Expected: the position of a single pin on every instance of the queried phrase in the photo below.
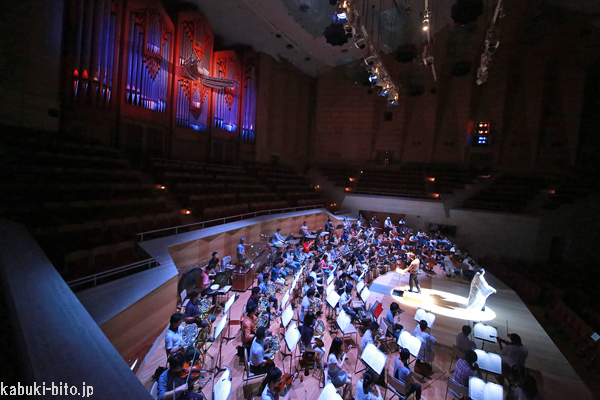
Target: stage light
(349, 30)
(360, 43)
(186, 212)
(341, 14)
(425, 24)
(370, 60)
(373, 78)
(347, 189)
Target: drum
(215, 287)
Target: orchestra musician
(392, 318)
(426, 341)
(241, 252)
(249, 326)
(387, 226)
(173, 339)
(329, 226)
(304, 229)
(192, 312)
(370, 334)
(205, 282)
(270, 385)
(263, 287)
(305, 305)
(260, 362)
(335, 367)
(308, 340)
(346, 302)
(413, 270)
(215, 262)
(171, 384)
(310, 283)
(364, 386)
(277, 238)
(403, 374)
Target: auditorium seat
(103, 258)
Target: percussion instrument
(292, 241)
(215, 287)
(281, 245)
(311, 236)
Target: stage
(555, 376)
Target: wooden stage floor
(555, 376)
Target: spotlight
(349, 30)
(360, 43)
(341, 13)
(370, 60)
(426, 24)
(373, 78)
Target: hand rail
(149, 263)
(231, 218)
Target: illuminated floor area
(446, 299)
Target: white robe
(480, 291)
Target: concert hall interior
(300, 199)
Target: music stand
(359, 286)
(421, 314)
(409, 342)
(486, 333)
(329, 393)
(345, 326)
(374, 360)
(330, 277)
(330, 289)
(222, 387)
(226, 314)
(364, 295)
(286, 298)
(218, 331)
(291, 338)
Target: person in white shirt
(426, 341)
(305, 305)
(346, 303)
(462, 340)
(364, 386)
(259, 361)
(310, 283)
(514, 354)
(369, 335)
(404, 375)
(269, 387)
(304, 229)
(277, 238)
(173, 340)
(335, 367)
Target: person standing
(240, 251)
(413, 270)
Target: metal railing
(104, 276)
(393, 194)
(219, 221)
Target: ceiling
(292, 30)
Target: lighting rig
(490, 45)
(425, 26)
(378, 74)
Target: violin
(192, 371)
(286, 380)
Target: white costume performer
(480, 290)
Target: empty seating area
(82, 202)
(289, 186)
(508, 193)
(416, 181)
(568, 189)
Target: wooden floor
(555, 376)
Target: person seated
(260, 362)
(305, 305)
(173, 340)
(335, 367)
(514, 355)
(249, 326)
(364, 387)
(316, 279)
(369, 335)
(465, 368)
(304, 229)
(205, 282)
(289, 260)
(215, 262)
(341, 283)
(277, 274)
(277, 238)
(403, 374)
(463, 342)
(391, 316)
(528, 389)
(170, 383)
(346, 303)
(329, 225)
(299, 255)
(308, 340)
(270, 385)
(426, 341)
(193, 314)
(310, 283)
(263, 288)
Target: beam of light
(447, 304)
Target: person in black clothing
(215, 262)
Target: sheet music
(229, 303)
(480, 390)
(286, 298)
(329, 393)
(359, 286)
(343, 321)
(489, 361)
(421, 314)
(220, 326)
(364, 295)
(333, 298)
(222, 388)
(410, 342)
(330, 288)
(374, 358)
(183, 294)
(287, 316)
(330, 278)
(485, 332)
(292, 335)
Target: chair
(456, 354)
(247, 376)
(386, 340)
(397, 387)
(103, 258)
(456, 389)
